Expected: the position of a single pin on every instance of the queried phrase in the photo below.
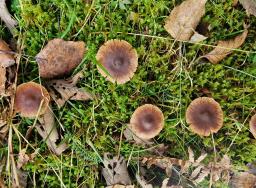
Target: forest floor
(169, 75)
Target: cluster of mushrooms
(118, 61)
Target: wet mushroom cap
(204, 116)
(147, 121)
(28, 99)
(253, 125)
(119, 59)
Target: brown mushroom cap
(119, 59)
(28, 99)
(59, 57)
(147, 121)
(205, 116)
(253, 125)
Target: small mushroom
(59, 57)
(119, 59)
(253, 125)
(205, 116)
(31, 99)
(147, 121)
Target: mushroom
(253, 125)
(31, 99)
(147, 121)
(59, 57)
(205, 116)
(119, 59)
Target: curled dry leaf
(48, 131)
(6, 16)
(115, 170)
(243, 180)
(165, 184)
(6, 55)
(24, 158)
(197, 38)
(184, 18)
(130, 136)
(249, 6)
(59, 57)
(64, 90)
(225, 48)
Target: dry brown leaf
(48, 131)
(235, 2)
(225, 48)
(249, 6)
(6, 55)
(24, 158)
(197, 38)
(6, 16)
(243, 180)
(115, 170)
(59, 57)
(67, 90)
(2, 183)
(184, 18)
(3, 124)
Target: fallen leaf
(235, 2)
(24, 158)
(59, 57)
(225, 48)
(6, 16)
(6, 55)
(48, 131)
(3, 124)
(249, 6)
(143, 182)
(197, 38)
(184, 18)
(2, 183)
(64, 90)
(165, 184)
(243, 180)
(115, 170)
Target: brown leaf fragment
(115, 170)
(24, 158)
(196, 37)
(243, 180)
(59, 57)
(225, 48)
(165, 184)
(48, 131)
(3, 124)
(184, 18)
(235, 2)
(6, 16)
(6, 55)
(67, 90)
(249, 6)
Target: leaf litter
(63, 90)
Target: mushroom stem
(6, 16)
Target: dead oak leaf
(184, 18)
(48, 131)
(6, 55)
(64, 90)
(249, 6)
(225, 48)
(115, 170)
(59, 57)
